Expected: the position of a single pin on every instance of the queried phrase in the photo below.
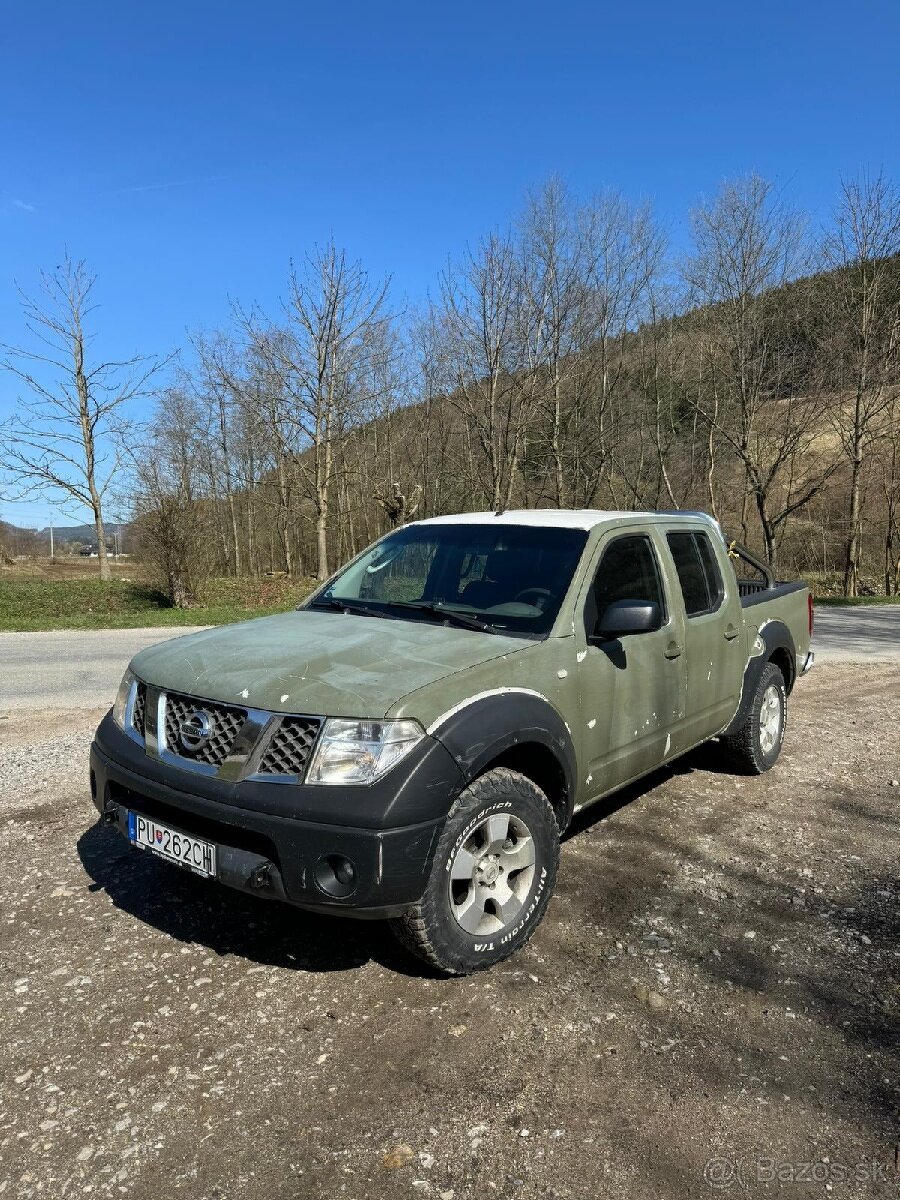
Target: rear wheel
(755, 746)
(491, 878)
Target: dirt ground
(711, 1006)
(68, 567)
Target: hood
(330, 664)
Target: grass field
(29, 604)
(826, 587)
(72, 599)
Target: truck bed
(785, 602)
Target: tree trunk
(283, 505)
(322, 540)
(851, 561)
(768, 530)
(105, 572)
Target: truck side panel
(787, 603)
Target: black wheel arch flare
(778, 647)
(516, 728)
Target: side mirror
(628, 616)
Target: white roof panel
(553, 518)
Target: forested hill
(570, 361)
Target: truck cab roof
(567, 518)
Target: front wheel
(491, 877)
(757, 744)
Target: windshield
(500, 578)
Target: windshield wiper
(346, 606)
(446, 614)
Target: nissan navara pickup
(412, 742)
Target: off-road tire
(430, 929)
(745, 745)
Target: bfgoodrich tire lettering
(755, 746)
(500, 839)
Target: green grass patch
(31, 605)
(854, 601)
(28, 605)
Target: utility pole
(51, 538)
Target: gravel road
(712, 998)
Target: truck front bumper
(265, 844)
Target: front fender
(490, 724)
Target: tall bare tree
(623, 249)
(863, 332)
(555, 277)
(484, 317)
(173, 514)
(218, 381)
(747, 247)
(320, 356)
(64, 437)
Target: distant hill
(25, 539)
(80, 533)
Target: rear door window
(698, 572)
(714, 582)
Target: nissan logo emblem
(194, 731)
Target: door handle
(731, 632)
(673, 650)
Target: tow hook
(260, 876)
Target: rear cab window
(698, 571)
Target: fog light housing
(335, 875)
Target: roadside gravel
(716, 983)
(43, 752)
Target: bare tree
(319, 357)
(891, 486)
(172, 515)
(863, 332)
(218, 382)
(748, 247)
(64, 438)
(624, 249)
(484, 318)
(555, 277)
(271, 407)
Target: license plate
(172, 845)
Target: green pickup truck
(414, 740)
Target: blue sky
(188, 150)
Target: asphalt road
(867, 635)
(72, 668)
(82, 669)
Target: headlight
(351, 751)
(118, 710)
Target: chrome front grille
(213, 738)
(139, 711)
(225, 724)
(290, 746)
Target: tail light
(809, 600)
